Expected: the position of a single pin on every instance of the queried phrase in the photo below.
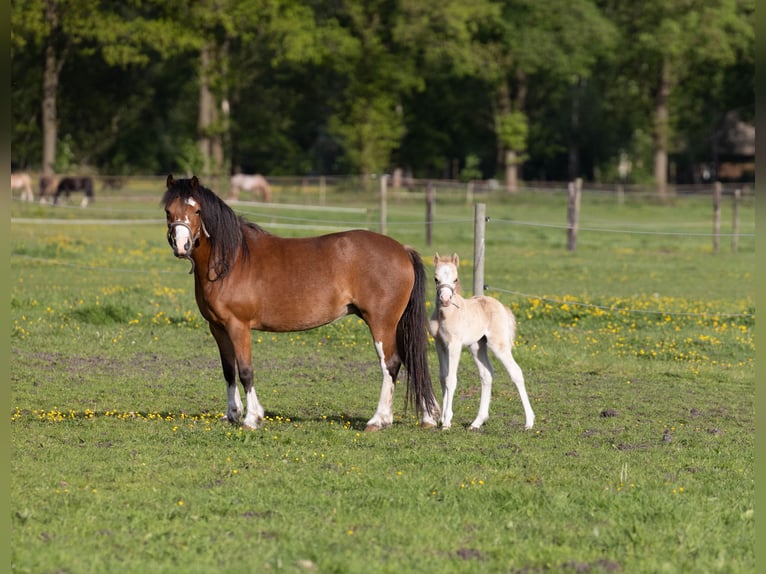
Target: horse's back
(300, 283)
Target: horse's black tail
(412, 340)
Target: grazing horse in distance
(23, 182)
(255, 183)
(69, 184)
(48, 185)
(479, 323)
(246, 278)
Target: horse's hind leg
(389, 365)
(481, 358)
(503, 352)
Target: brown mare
(246, 278)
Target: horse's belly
(297, 317)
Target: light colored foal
(478, 323)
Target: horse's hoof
(427, 426)
(248, 427)
(372, 428)
(474, 429)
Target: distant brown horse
(69, 184)
(246, 278)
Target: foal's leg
(453, 350)
(480, 357)
(443, 353)
(504, 353)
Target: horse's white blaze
(182, 237)
(384, 415)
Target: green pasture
(638, 352)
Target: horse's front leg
(449, 359)
(480, 357)
(234, 409)
(240, 336)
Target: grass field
(638, 351)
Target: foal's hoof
(372, 428)
(427, 425)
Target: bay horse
(478, 323)
(23, 182)
(69, 184)
(255, 182)
(246, 278)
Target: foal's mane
(224, 228)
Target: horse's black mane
(225, 228)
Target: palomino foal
(478, 323)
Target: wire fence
(253, 209)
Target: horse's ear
(194, 182)
(170, 181)
(456, 260)
(436, 258)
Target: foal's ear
(436, 258)
(455, 259)
(170, 181)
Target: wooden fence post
(573, 213)
(479, 228)
(322, 190)
(716, 216)
(383, 203)
(429, 211)
(735, 221)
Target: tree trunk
(50, 119)
(574, 136)
(51, 73)
(206, 110)
(661, 131)
(511, 172)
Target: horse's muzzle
(184, 249)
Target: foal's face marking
(445, 277)
(181, 236)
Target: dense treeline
(506, 89)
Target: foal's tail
(412, 341)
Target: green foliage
(471, 170)
(328, 86)
(512, 130)
(190, 158)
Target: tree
(562, 39)
(663, 39)
(116, 31)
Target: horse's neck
(456, 304)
